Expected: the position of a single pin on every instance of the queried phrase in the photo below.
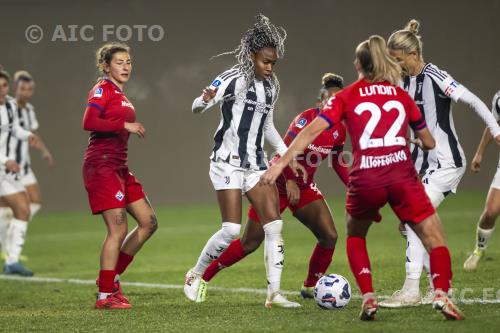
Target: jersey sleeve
(448, 85)
(33, 120)
(495, 106)
(333, 112)
(221, 83)
(93, 119)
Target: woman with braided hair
(247, 93)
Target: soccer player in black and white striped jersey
(24, 86)
(247, 93)
(486, 224)
(442, 168)
(12, 191)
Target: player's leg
(316, 216)
(35, 198)
(431, 232)
(5, 218)
(116, 224)
(228, 183)
(17, 200)
(265, 201)
(253, 235)
(485, 228)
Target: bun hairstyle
(105, 53)
(375, 62)
(4, 74)
(332, 80)
(407, 40)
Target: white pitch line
(37, 279)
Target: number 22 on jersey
(390, 139)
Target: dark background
(460, 37)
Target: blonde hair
(407, 40)
(375, 62)
(22, 76)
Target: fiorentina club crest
(119, 195)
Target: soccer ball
(332, 292)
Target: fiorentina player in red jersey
(112, 188)
(303, 198)
(377, 114)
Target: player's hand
(269, 177)
(292, 192)
(208, 94)
(476, 163)
(136, 128)
(299, 170)
(418, 143)
(47, 156)
(12, 166)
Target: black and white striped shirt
(10, 132)
(246, 120)
(28, 121)
(433, 90)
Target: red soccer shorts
(110, 187)
(408, 200)
(307, 195)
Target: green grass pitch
(67, 246)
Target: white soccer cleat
(191, 285)
(471, 263)
(279, 301)
(429, 296)
(401, 299)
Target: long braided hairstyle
(262, 34)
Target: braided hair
(263, 34)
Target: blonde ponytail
(375, 62)
(408, 39)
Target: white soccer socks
(216, 245)
(5, 218)
(415, 256)
(482, 237)
(34, 208)
(274, 255)
(16, 235)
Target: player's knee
(328, 239)
(230, 231)
(152, 225)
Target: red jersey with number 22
(377, 116)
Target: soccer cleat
(279, 301)
(444, 304)
(17, 269)
(471, 263)
(117, 291)
(429, 296)
(191, 284)
(307, 292)
(201, 293)
(111, 303)
(402, 298)
(368, 309)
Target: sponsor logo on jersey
(127, 104)
(251, 89)
(369, 162)
(301, 123)
(216, 83)
(365, 270)
(98, 93)
(319, 149)
(269, 92)
(451, 88)
(119, 195)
